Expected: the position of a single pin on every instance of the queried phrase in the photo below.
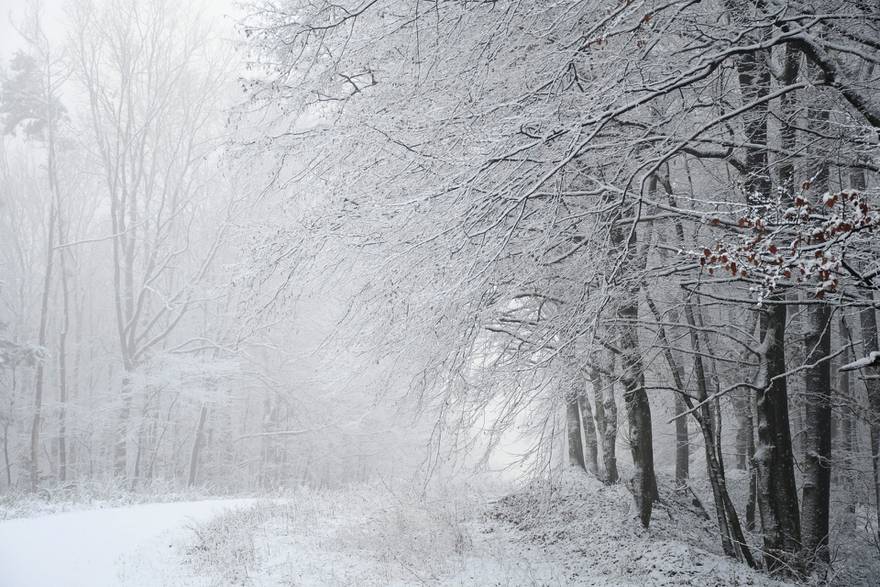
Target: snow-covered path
(96, 548)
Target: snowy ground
(575, 532)
(96, 548)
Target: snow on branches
(800, 241)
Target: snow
(575, 531)
(365, 536)
(594, 531)
(108, 547)
(870, 361)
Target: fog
(456, 278)
(155, 342)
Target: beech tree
(573, 156)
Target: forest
(608, 264)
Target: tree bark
(777, 492)
(846, 425)
(776, 489)
(870, 375)
(744, 446)
(39, 378)
(573, 424)
(589, 434)
(54, 198)
(868, 323)
(120, 448)
(682, 439)
(601, 424)
(7, 466)
(732, 539)
(196, 446)
(606, 423)
(62, 348)
(632, 376)
(816, 496)
(682, 444)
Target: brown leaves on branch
(797, 240)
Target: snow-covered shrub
(364, 535)
(224, 547)
(420, 534)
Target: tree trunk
(743, 411)
(870, 375)
(573, 424)
(868, 323)
(776, 489)
(816, 497)
(196, 446)
(6, 463)
(732, 539)
(743, 405)
(682, 444)
(41, 341)
(846, 425)
(632, 377)
(609, 438)
(601, 424)
(777, 492)
(589, 431)
(638, 413)
(49, 97)
(682, 434)
(682, 439)
(62, 350)
(120, 449)
(752, 506)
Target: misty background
(594, 277)
(164, 327)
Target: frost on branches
(818, 242)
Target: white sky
(53, 19)
(11, 11)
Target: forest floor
(576, 531)
(130, 545)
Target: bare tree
(151, 85)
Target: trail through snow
(96, 548)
